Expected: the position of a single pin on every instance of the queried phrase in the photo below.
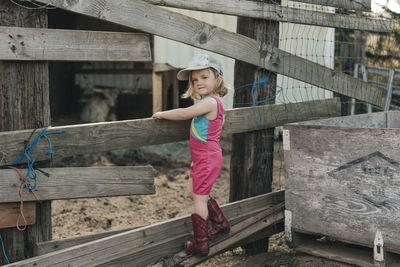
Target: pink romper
(206, 152)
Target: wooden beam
(171, 25)
(157, 89)
(69, 183)
(168, 249)
(235, 212)
(70, 45)
(9, 213)
(24, 103)
(239, 120)
(238, 232)
(262, 10)
(363, 5)
(53, 245)
(142, 240)
(106, 136)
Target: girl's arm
(202, 107)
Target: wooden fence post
(24, 101)
(252, 153)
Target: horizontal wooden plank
(342, 252)
(239, 232)
(363, 5)
(171, 25)
(114, 247)
(9, 213)
(235, 212)
(240, 120)
(169, 247)
(69, 183)
(70, 45)
(262, 10)
(106, 136)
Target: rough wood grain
(371, 120)
(241, 120)
(70, 183)
(240, 231)
(9, 213)
(262, 10)
(24, 103)
(344, 182)
(157, 89)
(106, 136)
(235, 212)
(363, 5)
(114, 247)
(171, 25)
(69, 45)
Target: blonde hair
(221, 87)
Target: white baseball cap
(199, 62)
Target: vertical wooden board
(157, 92)
(175, 86)
(9, 213)
(344, 183)
(393, 119)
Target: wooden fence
(148, 244)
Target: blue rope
(263, 80)
(4, 250)
(31, 174)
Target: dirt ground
(85, 216)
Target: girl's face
(203, 82)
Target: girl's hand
(157, 115)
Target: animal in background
(101, 105)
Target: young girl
(207, 85)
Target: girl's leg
(189, 189)
(200, 205)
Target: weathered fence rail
(106, 136)
(171, 25)
(363, 5)
(85, 182)
(147, 244)
(18, 43)
(262, 10)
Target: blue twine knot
(26, 152)
(263, 80)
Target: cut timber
(106, 136)
(70, 45)
(363, 5)
(53, 245)
(234, 212)
(241, 120)
(169, 247)
(81, 182)
(148, 243)
(9, 213)
(238, 232)
(261, 10)
(171, 25)
(342, 252)
(157, 89)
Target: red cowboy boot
(219, 224)
(200, 232)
